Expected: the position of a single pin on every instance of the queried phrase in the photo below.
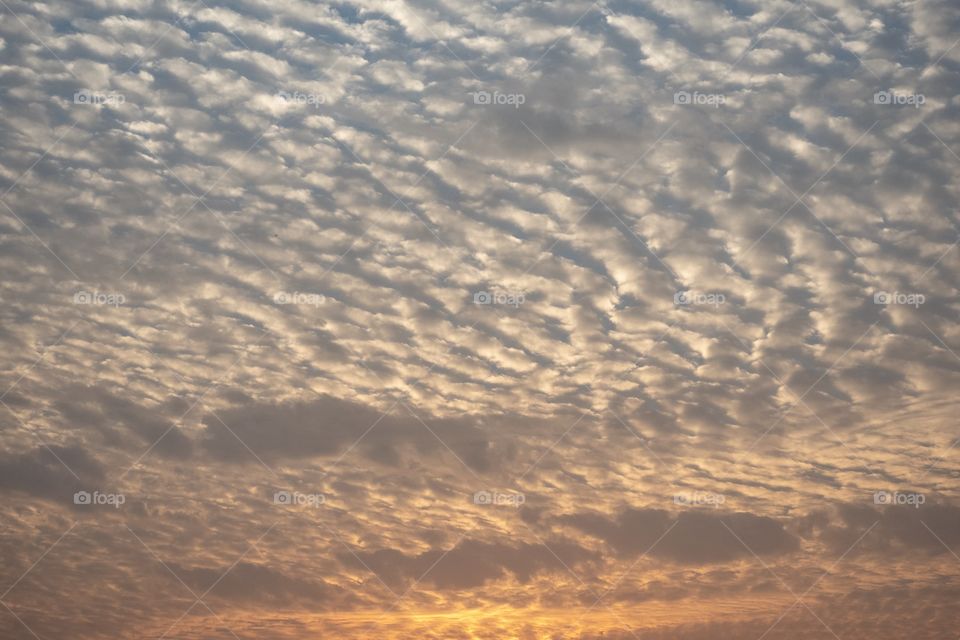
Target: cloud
(690, 537)
(897, 530)
(54, 472)
(328, 427)
(471, 563)
(256, 585)
(683, 214)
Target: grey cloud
(899, 530)
(116, 418)
(329, 426)
(257, 585)
(48, 472)
(696, 537)
(471, 563)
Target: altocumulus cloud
(595, 254)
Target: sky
(466, 319)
